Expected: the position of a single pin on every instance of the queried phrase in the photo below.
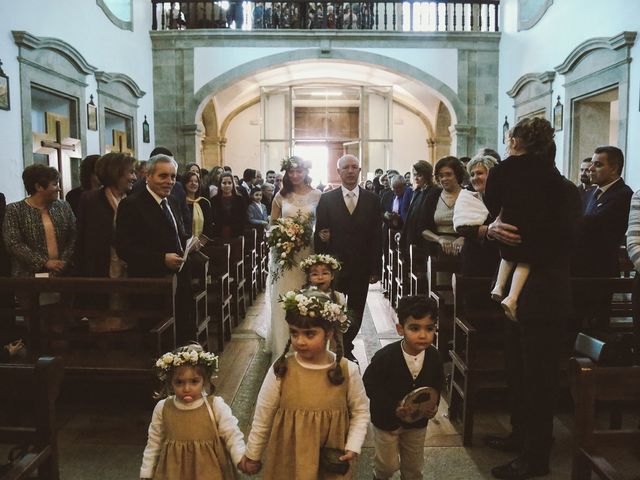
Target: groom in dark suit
(349, 226)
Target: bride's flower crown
(192, 357)
(313, 303)
(320, 258)
(294, 162)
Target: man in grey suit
(349, 226)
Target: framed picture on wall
(145, 131)
(557, 115)
(92, 115)
(5, 101)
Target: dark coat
(95, 235)
(601, 231)
(143, 235)
(355, 238)
(420, 218)
(387, 380)
(235, 219)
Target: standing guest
(88, 181)
(491, 152)
(465, 181)
(229, 209)
(199, 206)
(439, 205)
(277, 182)
(258, 180)
(633, 248)
(267, 195)
(376, 179)
(95, 254)
(248, 180)
(368, 186)
(415, 222)
(270, 177)
(227, 168)
(40, 231)
(479, 256)
(214, 178)
(543, 306)
(347, 219)
(384, 185)
(396, 370)
(586, 187)
(150, 234)
(193, 167)
(141, 170)
(257, 212)
(407, 178)
(600, 231)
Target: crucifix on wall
(120, 143)
(57, 144)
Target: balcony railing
(396, 16)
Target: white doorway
(318, 155)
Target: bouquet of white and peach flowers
(286, 237)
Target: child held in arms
(403, 382)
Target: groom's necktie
(351, 202)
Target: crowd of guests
(131, 218)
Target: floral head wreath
(319, 258)
(191, 357)
(313, 303)
(293, 162)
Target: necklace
(450, 199)
(32, 205)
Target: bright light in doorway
(318, 155)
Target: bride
(296, 196)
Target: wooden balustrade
(395, 16)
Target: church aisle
(103, 435)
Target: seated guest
(416, 218)
(256, 211)
(600, 231)
(479, 256)
(586, 187)
(199, 207)
(40, 231)
(439, 205)
(95, 254)
(88, 181)
(229, 209)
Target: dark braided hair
(335, 374)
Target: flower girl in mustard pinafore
(192, 435)
(311, 400)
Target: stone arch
(444, 92)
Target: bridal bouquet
(286, 237)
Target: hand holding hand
(446, 245)
(348, 456)
(56, 266)
(173, 261)
(457, 245)
(248, 466)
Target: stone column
(462, 139)
(191, 151)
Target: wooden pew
(237, 279)
(218, 291)
(443, 293)
(590, 384)
(197, 312)
(27, 416)
(150, 301)
(477, 356)
(263, 258)
(390, 266)
(251, 262)
(418, 282)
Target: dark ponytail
(280, 365)
(335, 374)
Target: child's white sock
(510, 303)
(504, 270)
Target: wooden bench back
(27, 413)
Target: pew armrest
(27, 464)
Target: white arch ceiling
(330, 71)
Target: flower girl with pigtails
(312, 411)
(192, 433)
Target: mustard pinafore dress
(312, 413)
(192, 448)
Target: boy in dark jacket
(396, 370)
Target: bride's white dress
(277, 330)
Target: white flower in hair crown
(319, 258)
(193, 357)
(293, 162)
(313, 303)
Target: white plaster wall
(409, 139)
(243, 141)
(566, 25)
(82, 24)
